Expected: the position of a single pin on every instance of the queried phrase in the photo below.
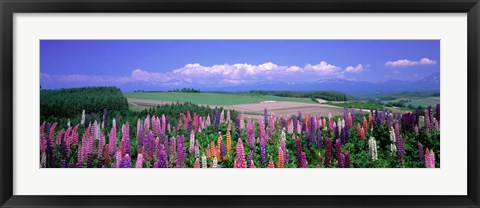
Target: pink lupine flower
(252, 164)
(270, 163)
(118, 158)
(112, 139)
(197, 163)
(429, 159)
(139, 163)
(240, 159)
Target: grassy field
(419, 101)
(425, 102)
(212, 98)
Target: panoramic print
(239, 104)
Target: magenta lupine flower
(427, 119)
(303, 160)
(298, 153)
(415, 129)
(429, 159)
(146, 123)
(421, 154)
(118, 158)
(139, 162)
(112, 139)
(126, 162)
(59, 136)
(240, 158)
(338, 149)
(328, 151)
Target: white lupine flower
(215, 162)
(372, 147)
(114, 123)
(393, 149)
(82, 122)
(283, 136)
(68, 122)
(343, 123)
(392, 135)
(204, 161)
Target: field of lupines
(358, 139)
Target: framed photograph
(231, 103)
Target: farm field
(207, 98)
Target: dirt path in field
(277, 108)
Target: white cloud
(220, 75)
(356, 69)
(407, 63)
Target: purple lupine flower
(341, 160)
(162, 158)
(319, 139)
(126, 162)
(149, 144)
(303, 160)
(263, 152)
(265, 115)
(427, 119)
(285, 154)
(237, 127)
(189, 127)
(294, 123)
(345, 113)
(342, 136)
(180, 151)
(336, 132)
(421, 154)
(300, 117)
(223, 149)
(437, 112)
(217, 120)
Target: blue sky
(198, 63)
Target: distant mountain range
(431, 82)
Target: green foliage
(71, 102)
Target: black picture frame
(9, 7)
